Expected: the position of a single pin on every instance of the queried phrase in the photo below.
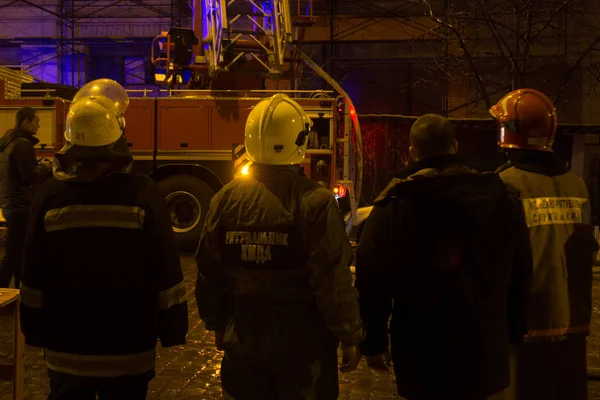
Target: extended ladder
(233, 29)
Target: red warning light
(339, 191)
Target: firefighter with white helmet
(276, 132)
(102, 279)
(274, 281)
(551, 363)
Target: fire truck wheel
(187, 198)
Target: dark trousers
(61, 390)
(548, 371)
(16, 230)
(292, 380)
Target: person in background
(551, 363)
(19, 172)
(446, 251)
(102, 279)
(274, 279)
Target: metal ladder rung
(260, 15)
(244, 32)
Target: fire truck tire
(188, 199)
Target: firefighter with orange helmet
(551, 362)
(274, 279)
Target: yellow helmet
(277, 132)
(96, 116)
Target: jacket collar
(438, 162)
(17, 133)
(540, 162)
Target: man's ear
(412, 153)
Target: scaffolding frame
(359, 15)
(72, 12)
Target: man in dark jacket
(274, 279)
(19, 171)
(449, 247)
(102, 278)
(551, 363)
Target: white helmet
(95, 117)
(107, 92)
(277, 132)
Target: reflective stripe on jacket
(102, 278)
(101, 366)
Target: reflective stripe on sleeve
(172, 296)
(88, 216)
(101, 366)
(539, 333)
(31, 297)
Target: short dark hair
(431, 135)
(25, 114)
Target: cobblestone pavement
(191, 371)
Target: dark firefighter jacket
(19, 169)
(102, 278)
(449, 247)
(273, 265)
(557, 210)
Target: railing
(314, 93)
(47, 90)
(13, 80)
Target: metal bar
(353, 202)
(251, 91)
(355, 123)
(98, 10)
(258, 25)
(347, 133)
(232, 42)
(41, 8)
(260, 44)
(152, 8)
(260, 61)
(255, 6)
(9, 4)
(234, 60)
(367, 23)
(73, 44)
(87, 6)
(400, 19)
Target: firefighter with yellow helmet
(274, 281)
(102, 279)
(551, 363)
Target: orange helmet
(527, 120)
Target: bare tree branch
(527, 37)
(550, 18)
(464, 48)
(501, 43)
(575, 67)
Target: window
(135, 70)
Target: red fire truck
(189, 136)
